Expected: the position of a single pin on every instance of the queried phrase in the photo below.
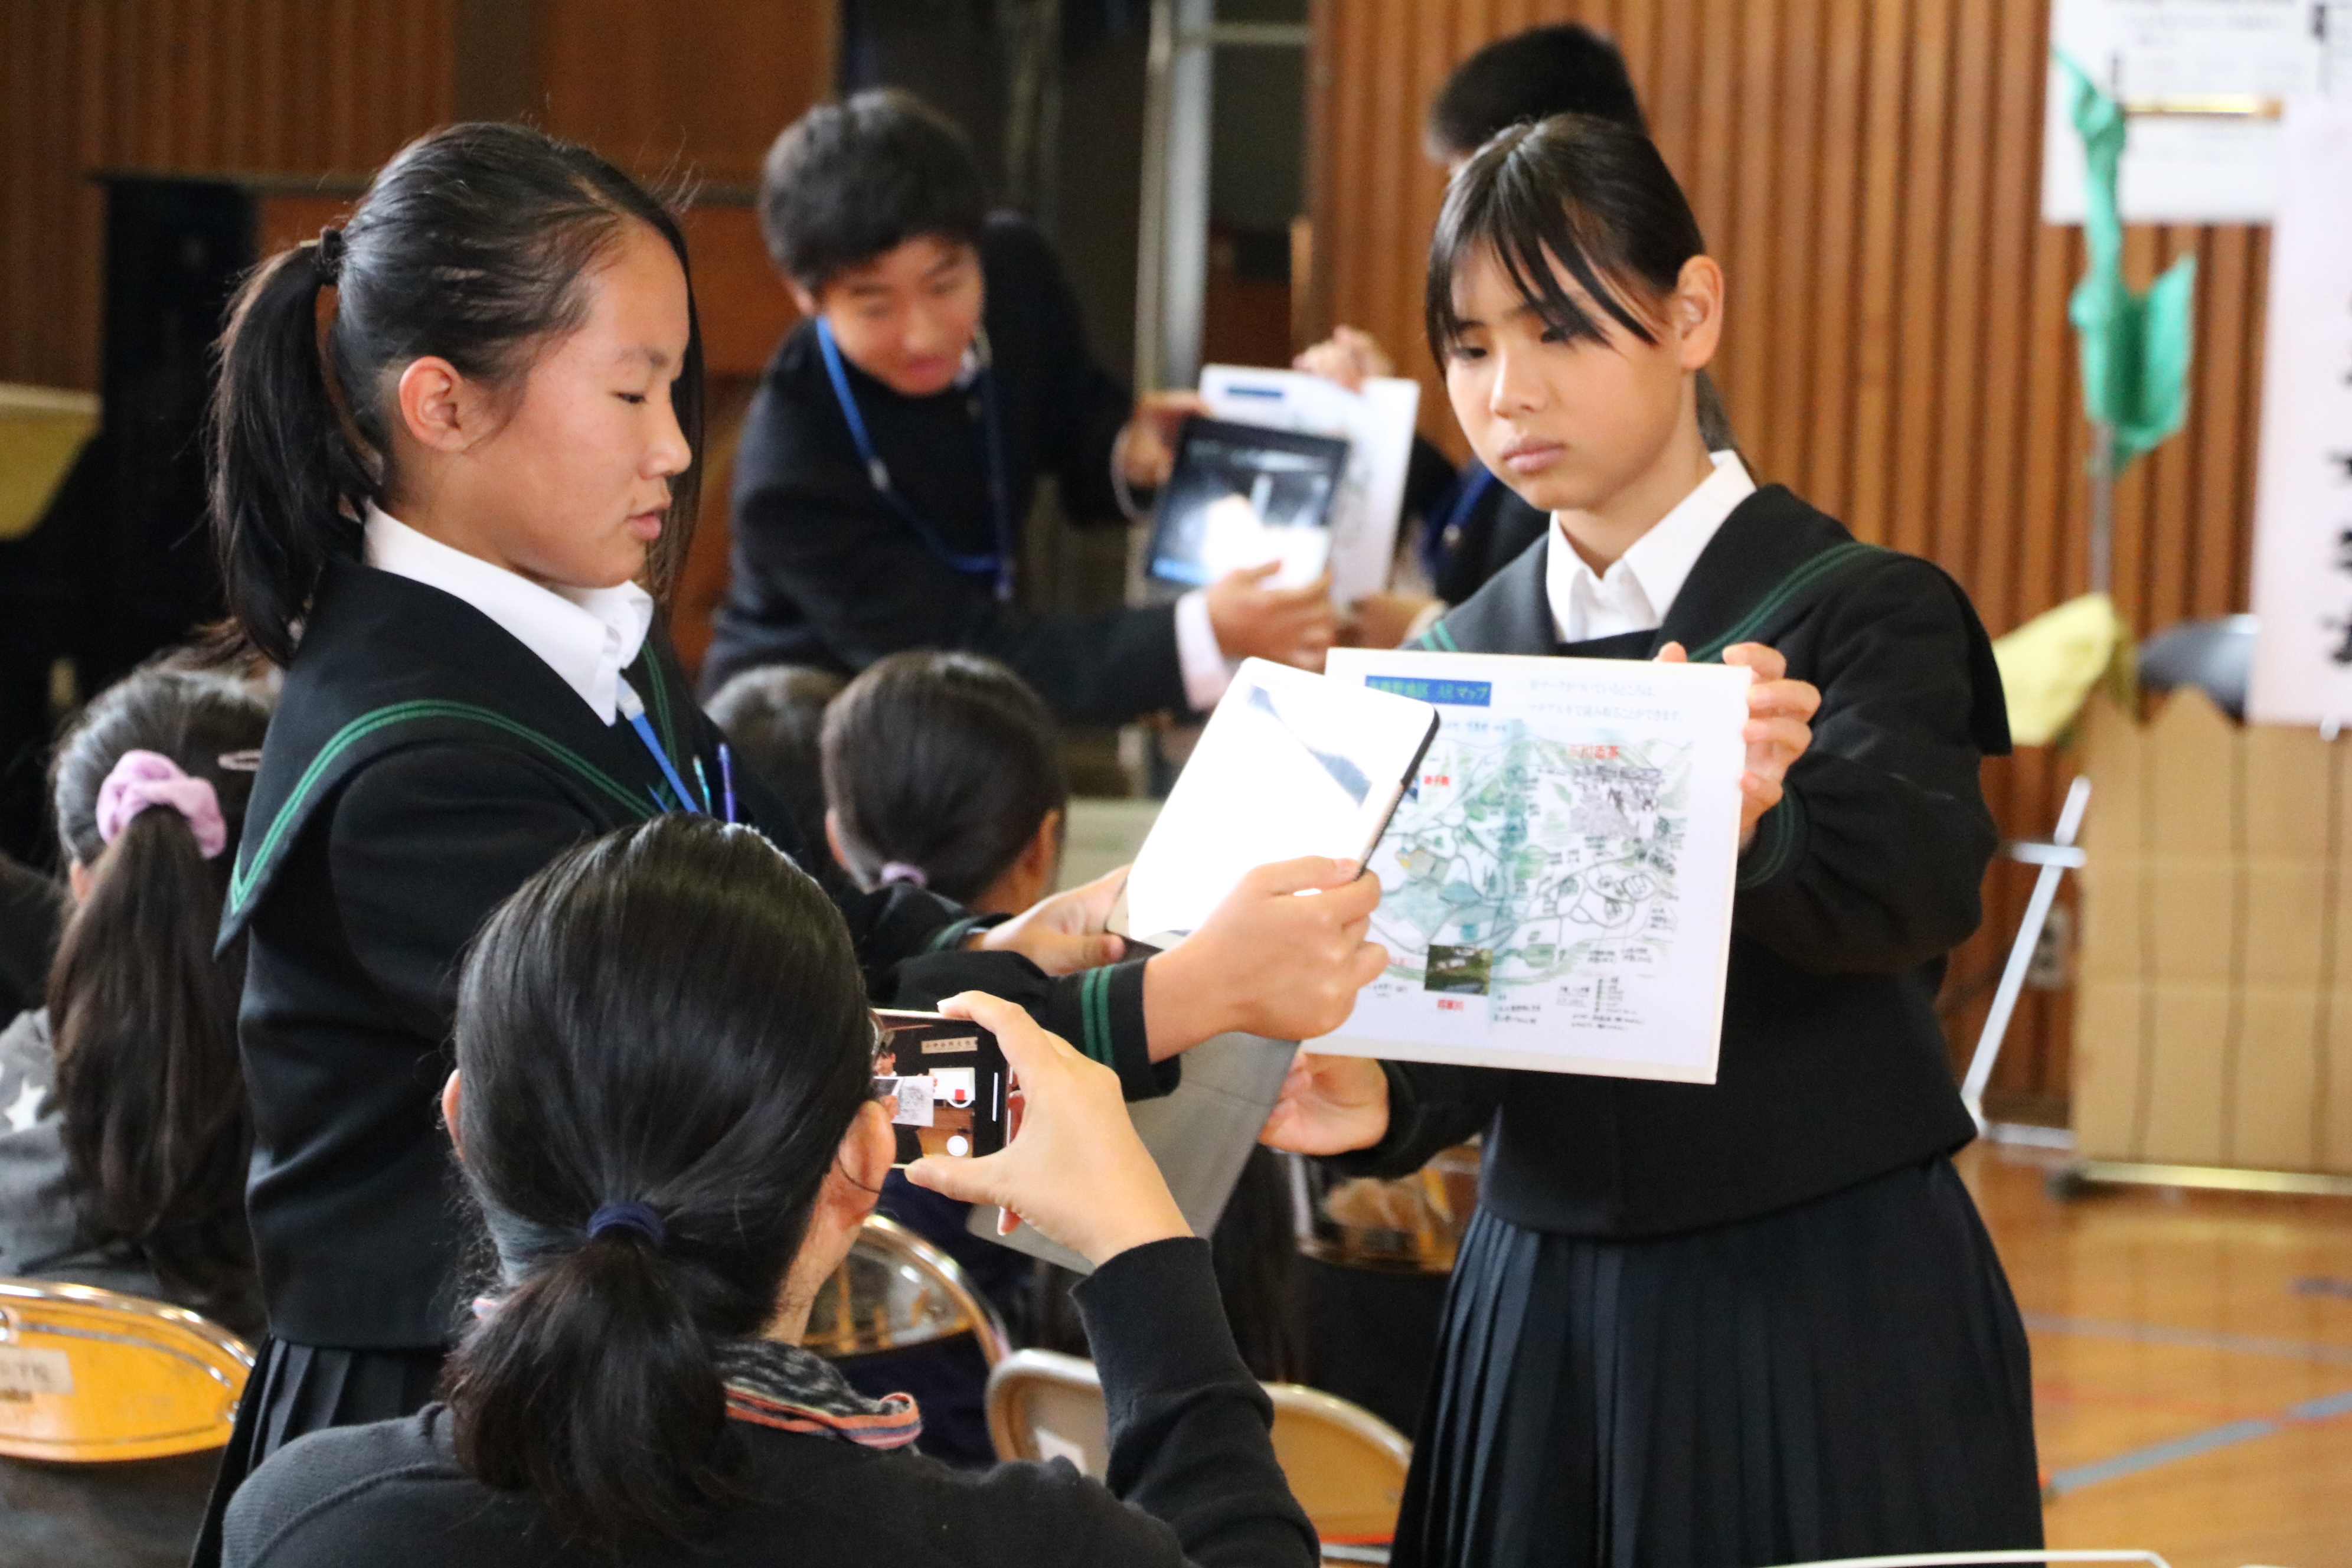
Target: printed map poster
(1556, 887)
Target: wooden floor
(2192, 1365)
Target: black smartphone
(946, 1084)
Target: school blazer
(420, 765)
(1833, 1067)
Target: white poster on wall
(2303, 484)
(2204, 82)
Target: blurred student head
(774, 718)
(872, 210)
(945, 770)
(150, 786)
(662, 1108)
(510, 362)
(1564, 69)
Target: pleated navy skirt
(299, 1389)
(1844, 1378)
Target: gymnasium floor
(2192, 1360)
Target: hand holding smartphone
(946, 1083)
(1071, 1164)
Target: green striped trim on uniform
(1807, 576)
(1094, 1015)
(952, 935)
(242, 880)
(1436, 639)
(1779, 836)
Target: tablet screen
(1241, 496)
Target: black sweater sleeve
(1189, 1424)
(1875, 857)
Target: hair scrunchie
(899, 871)
(143, 779)
(637, 1217)
(328, 257)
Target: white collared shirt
(1639, 588)
(587, 636)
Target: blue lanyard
(1000, 561)
(1468, 491)
(632, 708)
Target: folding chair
(896, 1291)
(1345, 1465)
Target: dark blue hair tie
(628, 1216)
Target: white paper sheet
(1290, 763)
(2302, 475)
(1377, 422)
(1556, 890)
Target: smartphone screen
(945, 1082)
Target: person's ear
(80, 877)
(833, 838)
(1042, 856)
(1695, 311)
(805, 302)
(860, 1165)
(449, 1095)
(440, 409)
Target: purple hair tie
(638, 1217)
(141, 779)
(899, 871)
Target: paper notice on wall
(2302, 476)
(2204, 82)
(1376, 424)
(1556, 889)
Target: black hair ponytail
(947, 762)
(470, 244)
(143, 1014)
(663, 1039)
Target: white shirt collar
(1640, 586)
(587, 636)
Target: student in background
(1760, 1320)
(773, 717)
(122, 1158)
(663, 1106)
(434, 512)
(891, 456)
(1473, 527)
(944, 770)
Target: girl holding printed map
(1757, 1320)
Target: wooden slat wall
(1868, 171)
(294, 86)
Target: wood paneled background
(1868, 171)
(326, 90)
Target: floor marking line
(2131, 1461)
(2189, 1339)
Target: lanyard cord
(1468, 491)
(632, 708)
(1000, 563)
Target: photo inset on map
(1460, 971)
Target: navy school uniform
(826, 572)
(421, 765)
(1760, 1320)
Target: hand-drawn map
(1556, 888)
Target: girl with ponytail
(122, 1160)
(662, 1108)
(456, 445)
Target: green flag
(2135, 345)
